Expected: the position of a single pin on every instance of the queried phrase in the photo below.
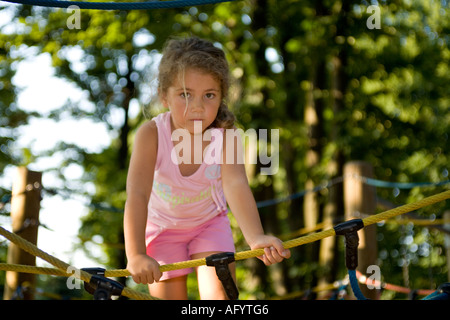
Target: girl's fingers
(271, 256)
(274, 255)
(147, 278)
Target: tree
(337, 87)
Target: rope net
(62, 266)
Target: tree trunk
(360, 199)
(314, 122)
(25, 205)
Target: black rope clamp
(349, 230)
(101, 287)
(445, 288)
(221, 261)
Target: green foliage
(378, 95)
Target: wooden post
(360, 200)
(447, 241)
(25, 205)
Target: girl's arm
(242, 204)
(143, 268)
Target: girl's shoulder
(148, 128)
(147, 133)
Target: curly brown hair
(200, 54)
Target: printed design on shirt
(164, 191)
(212, 172)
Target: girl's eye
(185, 95)
(210, 95)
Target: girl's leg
(209, 285)
(170, 289)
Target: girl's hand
(274, 251)
(144, 269)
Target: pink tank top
(177, 201)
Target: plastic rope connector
(221, 262)
(442, 293)
(349, 230)
(101, 287)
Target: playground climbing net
(102, 287)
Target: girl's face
(193, 99)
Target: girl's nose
(196, 105)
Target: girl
(176, 189)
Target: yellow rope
(406, 208)
(32, 249)
(303, 231)
(287, 244)
(32, 269)
(421, 222)
(62, 266)
(323, 234)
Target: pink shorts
(175, 245)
